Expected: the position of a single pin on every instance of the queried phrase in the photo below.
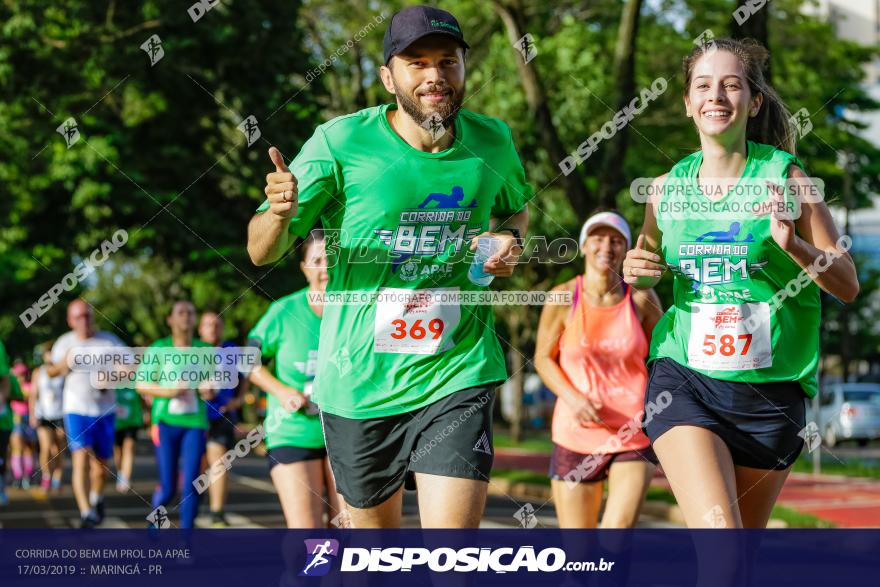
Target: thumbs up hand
(642, 268)
(281, 187)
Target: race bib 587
(720, 340)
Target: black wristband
(517, 236)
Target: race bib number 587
(721, 341)
(415, 321)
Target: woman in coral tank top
(591, 354)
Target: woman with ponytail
(750, 245)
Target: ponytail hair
(772, 125)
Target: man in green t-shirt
(405, 383)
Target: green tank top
(158, 364)
(743, 310)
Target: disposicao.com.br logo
(319, 553)
(462, 560)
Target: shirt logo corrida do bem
(436, 228)
(716, 258)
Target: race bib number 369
(730, 337)
(415, 321)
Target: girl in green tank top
(749, 244)
(288, 333)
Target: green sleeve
(4, 361)
(266, 333)
(316, 177)
(15, 388)
(515, 192)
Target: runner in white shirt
(89, 413)
(47, 410)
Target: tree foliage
(160, 154)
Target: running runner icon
(726, 236)
(453, 200)
(319, 553)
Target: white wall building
(859, 20)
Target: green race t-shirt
(400, 221)
(744, 310)
(129, 413)
(289, 332)
(187, 410)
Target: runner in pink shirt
(592, 354)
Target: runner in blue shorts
(89, 413)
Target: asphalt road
(252, 502)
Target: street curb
(656, 509)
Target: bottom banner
(215, 558)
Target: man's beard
(447, 111)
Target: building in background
(859, 21)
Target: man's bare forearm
(268, 238)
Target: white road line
(143, 512)
(490, 524)
(235, 521)
(54, 520)
(114, 522)
(255, 483)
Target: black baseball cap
(411, 24)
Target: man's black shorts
(372, 458)
(222, 431)
(287, 455)
(120, 434)
(759, 422)
(53, 424)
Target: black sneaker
(89, 521)
(218, 520)
(99, 511)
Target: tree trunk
(517, 364)
(754, 26)
(611, 178)
(516, 425)
(357, 80)
(575, 189)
